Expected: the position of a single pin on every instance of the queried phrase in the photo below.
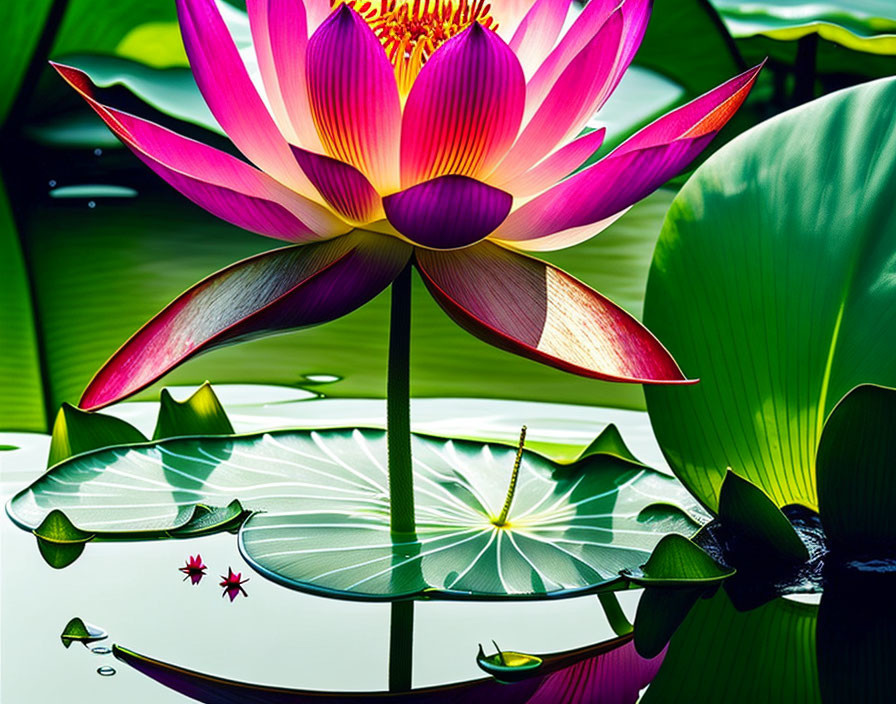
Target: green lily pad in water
(320, 511)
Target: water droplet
(105, 671)
(322, 378)
(101, 650)
(97, 152)
(52, 183)
(91, 204)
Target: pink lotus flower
(438, 132)
(194, 569)
(233, 585)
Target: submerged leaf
(320, 511)
(76, 431)
(200, 414)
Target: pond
(528, 353)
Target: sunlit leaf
(320, 506)
(76, 631)
(200, 414)
(76, 431)
(771, 283)
(59, 541)
(676, 562)
(855, 465)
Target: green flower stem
(401, 646)
(398, 413)
(613, 611)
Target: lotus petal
(280, 37)
(553, 168)
(579, 91)
(231, 96)
(576, 38)
(537, 33)
(354, 97)
(447, 212)
(345, 188)
(600, 191)
(705, 115)
(225, 186)
(530, 308)
(286, 288)
(464, 109)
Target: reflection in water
(839, 651)
(194, 570)
(233, 585)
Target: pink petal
(706, 114)
(535, 37)
(576, 38)
(464, 109)
(225, 186)
(354, 97)
(342, 186)
(280, 36)
(283, 289)
(559, 164)
(318, 11)
(600, 191)
(535, 310)
(509, 14)
(580, 90)
(447, 212)
(231, 96)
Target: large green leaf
(21, 388)
(20, 29)
(772, 283)
(856, 460)
(722, 655)
(321, 520)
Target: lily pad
(320, 520)
(77, 631)
(677, 562)
(772, 284)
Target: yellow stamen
(412, 30)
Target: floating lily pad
(676, 562)
(77, 631)
(320, 520)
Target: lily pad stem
(398, 413)
(511, 490)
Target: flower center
(411, 30)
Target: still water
(274, 636)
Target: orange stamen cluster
(411, 30)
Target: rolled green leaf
(201, 414)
